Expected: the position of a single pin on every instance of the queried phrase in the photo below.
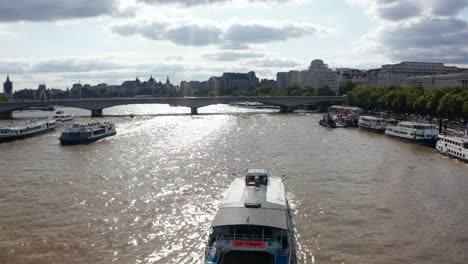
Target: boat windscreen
(246, 257)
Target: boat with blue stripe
(83, 134)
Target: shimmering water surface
(149, 194)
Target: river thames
(149, 194)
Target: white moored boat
(456, 147)
(26, 129)
(375, 124)
(253, 224)
(415, 132)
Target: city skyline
(113, 41)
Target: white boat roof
(25, 124)
(238, 193)
(371, 117)
(414, 123)
(263, 205)
(454, 138)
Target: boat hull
(76, 141)
(321, 122)
(425, 142)
(376, 130)
(17, 137)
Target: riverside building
(318, 74)
(439, 80)
(396, 74)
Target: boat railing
(248, 237)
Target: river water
(149, 194)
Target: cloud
(276, 63)
(398, 10)
(235, 34)
(448, 7)
(191, 3)
(258, 33)
(51, 10)
(12, 67)
(232, 55)
(418, 30)
(434, 39)
(174, 58)
(73, 65)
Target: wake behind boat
(26, 129)
(82, 134)
(253, 224)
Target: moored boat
(253, 224)
(26, 129)
(328, 121)
(82, 134)
(375, 124)
(414, 132)
(456, 147)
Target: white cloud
(232, 55)
(236, 34)
(191, 3)
(51, 10)
(428, 30)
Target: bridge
(96, 106)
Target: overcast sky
(60, 42)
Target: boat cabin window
(258, 179)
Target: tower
(8, 88)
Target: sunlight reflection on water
(149, 194)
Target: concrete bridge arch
(96, 106)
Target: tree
(347, 87)
(324, 90)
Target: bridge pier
(6, 115)
(96, 113)
(194, 110)
(286, 109)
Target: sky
(61, 42)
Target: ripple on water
(149, 194)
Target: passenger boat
(348, 116)
(63, 119)
(26, 129)
(456, 147)
(82, 134)
(375, 124)
(253, 223)
(415, 132)
(328, 121)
